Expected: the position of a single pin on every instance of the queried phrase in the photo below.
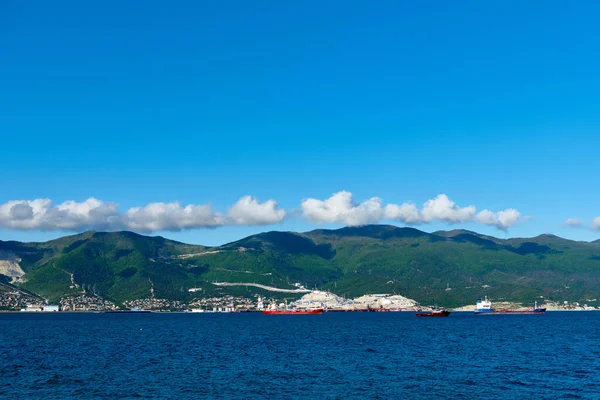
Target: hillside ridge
(454, 267)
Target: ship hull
(289, 312)
(434, 314)
(538, 311)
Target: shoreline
(241, 312)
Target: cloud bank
(341, 208)
(42, 214)
(596, 223)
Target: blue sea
(329, 356)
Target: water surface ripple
(331, 356)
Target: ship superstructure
(484, 306)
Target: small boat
(434, 313)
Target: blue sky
(493, 104)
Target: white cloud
(406, 212)
(577, 223)
(341, 208)
(248, 211)
(573, 222)
(171, 217)
(42, 214)
(501, 219)
(443, 209)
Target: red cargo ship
(293, 312)
(434, 313)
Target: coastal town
(315, 299)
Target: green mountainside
(449, 267)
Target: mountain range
(448, 267)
